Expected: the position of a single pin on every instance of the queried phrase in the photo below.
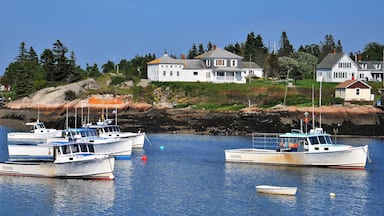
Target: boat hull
(278, 190)
(137, 139)
(352, 158)
(97, 167)
(25, 152)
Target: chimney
(182, 56)
(214, 46)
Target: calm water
(190, 177)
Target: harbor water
(188, 175)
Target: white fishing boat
(44, 151)
(279, 190)
(103, 145)
(106, 129)
(37, 132)
(70, 160)
(299, 148)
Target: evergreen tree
(339, 47)
(313, 49)
(236, 49)
(209, 46)
(92, 71)
(328, 46)
(47, 60)
(192, 52)
(32, 56)
(201, 49)
(271, 66)
(61, 70)
(73, 72)
(108, 67)
(286, 48)
(373, 52)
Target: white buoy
(332, 195)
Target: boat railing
(265, 140)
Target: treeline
(31, 72)
(279, 61)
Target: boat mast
(313, 107)
(321, 81)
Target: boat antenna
(321, 81)
(313, 107)
(66, 119)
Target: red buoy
(144, 158)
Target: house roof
(193, 64)
(229, 69)
(370, 64)
(352, 84)
(165, 60)
(330, 60)
(218, 53)
(250, 65)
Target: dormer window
(233, 63)
(208, 62)
(219, 62)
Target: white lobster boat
(107, 130)
(44, 151)
(303, 149)
(37, 132)
(70, 160)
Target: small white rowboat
(276, 190)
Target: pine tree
(201, 49)
(286, 48)
(209, 46)
(192, 52)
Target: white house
(216, 65)
(336, 67)
(354, 90)
(370, 70)
(339, 67)
(252, 69)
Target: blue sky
(101, 30)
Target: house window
(357, 91)
(208, 62)
(177, 73)
(234, 63)
(170, 73)
(164, 73)
(219, 62)
(195, 73)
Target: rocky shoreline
(342, 121)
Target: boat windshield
(76, 148)
(321, 139)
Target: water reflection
(62, 195)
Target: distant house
(252, 69)
(354, 90)
(370, 70)
(216, 66)
(336, 67)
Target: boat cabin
(65, 150)
(37, 127)
(79, 133)
(314, 141)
